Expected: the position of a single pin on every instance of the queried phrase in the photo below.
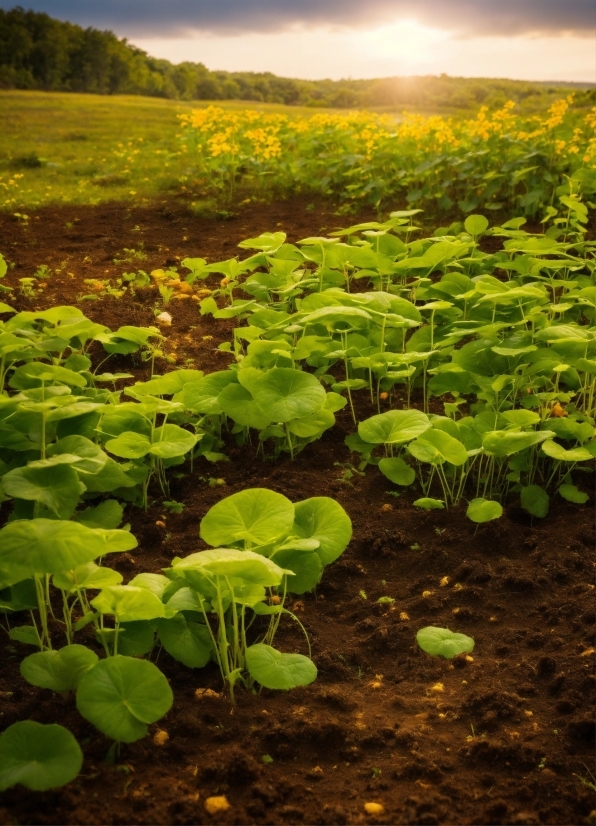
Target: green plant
(59, 670)
(39, 757)
(166, 294)
(173, 507)
(130, 255)
(270, 547)
(441, 642)
(122, 695)
(483, 510)
(42, 272)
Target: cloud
(175, 18)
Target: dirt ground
(505, 738)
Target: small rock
(374, 808)
(215, 805)
(161, 737)
(206, 693)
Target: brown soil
(501, 739)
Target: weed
(173, 507)
(166, 294)
(42, 272)
(130, 256)
(589, 782)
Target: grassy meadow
(67, 148)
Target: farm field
(70, 148)
(59, 148)
(384, 419)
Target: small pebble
(374, 808)
(215, 805)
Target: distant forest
(39, 52)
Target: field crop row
(72, 149)
(479, 369)
(494, 161)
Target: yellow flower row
(254, 134)
(366, 155)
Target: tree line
(40, 52)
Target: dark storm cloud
(154, 18)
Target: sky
(525, 39)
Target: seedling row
(479, 371)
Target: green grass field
(85, 149)
(67, 148)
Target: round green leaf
(573, 494)
(202, 396)
(110, 478)
(90, 458)
(312, 425)
(557, 451)
(130, 603)
(186, 641)
(441, 642)
(483, 510)
(36, 374)
(394, 427)
(124, 418)
(255, 516)
(129, 445)
(156, 583)
(48, 546)
(108, 514)
(323, 519)
(122, 695)
(267, 241)
(230, 562)
(169, 440)
(520, 417)
(475, 225)
(135, 639)
(306, 566)
(57, 487)
(425, 452)
(285, 394)
(505, 443)
(58, 670)
(86, 576)
(165, 385)
(272, 669)
(340, 317)
(38, 757)
(449, 449)
(428, 504)
(535, 500)
(186, 599)
(397, 471)
(237, 402)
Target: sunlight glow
(404, 47)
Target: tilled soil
(505, 737)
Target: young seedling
(441, 642)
